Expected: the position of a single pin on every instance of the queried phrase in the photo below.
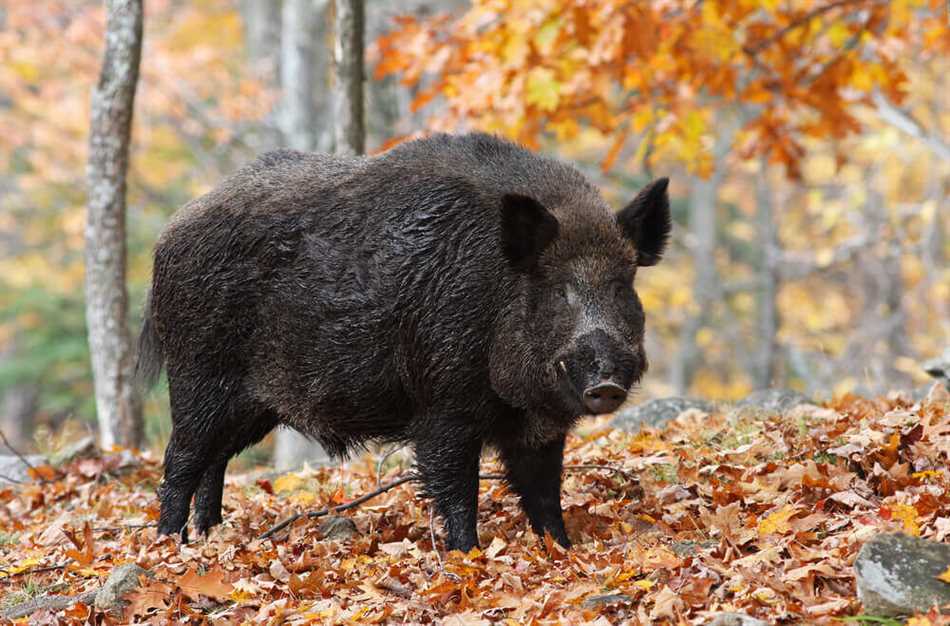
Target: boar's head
(570, 339)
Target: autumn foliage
(660, 73)
(738, 510)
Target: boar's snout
(600, 371)
(604, 398)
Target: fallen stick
(339, 508)
(404, 479)
(23, 459)
(54, 603)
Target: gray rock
(897, 575)
(773, 400)
(338, 528)
(123, 579)
(593, 602)
(658, 412)
(14, 470)
(939, 367)
(78, 449)
(735, 619)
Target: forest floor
(754, 513)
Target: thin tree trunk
(702, 227)
(17, 405)
(300, 30)
(298, 117)
(262, 21)
(262, 25)
(117, 404)
(766, 362)
(349, 75)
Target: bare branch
(904, 121)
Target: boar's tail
(151, 357)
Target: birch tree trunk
(262, 25)
(766, 362)
(349, 73)
(298, 118)
(118, 407)
(702, 241)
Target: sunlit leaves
(761, 514)
(661, 67)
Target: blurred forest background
(807, 143)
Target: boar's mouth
(579, 400)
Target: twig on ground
(11, 480)
(20, 456)
(35, 570)
(491, 477)
(404, 479)
(340, 508)
(108, 529)
(55, 603)
(607, 468)
(379, 465)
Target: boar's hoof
(604, 398)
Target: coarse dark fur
(455, 292)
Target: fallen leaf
(211, 584)
(777, 522)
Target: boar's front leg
(535, 475)
(447, 461)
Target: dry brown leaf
(211, 584)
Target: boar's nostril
(604, 398)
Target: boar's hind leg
(245, 433)
(200, 423)
(447, 462)
(185, 460)
(535, 475)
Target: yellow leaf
(19, 568)
(543, 89)
(777, 522)
(547, 34)
(288, 482)
(644, 584)
(303, 498)
(945, 577)
(908, 515)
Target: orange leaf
(84, 555)
(211, 584)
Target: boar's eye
(566, 295)
(619, 289)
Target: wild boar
(455, 292)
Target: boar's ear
(646, 222)
(527, 228)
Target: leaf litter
(722, 512)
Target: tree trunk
(349, 77)
(262, 24)
(703, 197)
(766, 361)
(298, 120)
(298, 117)
(262, 20)
(17, 406)
(117, 404)
(702, 228)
